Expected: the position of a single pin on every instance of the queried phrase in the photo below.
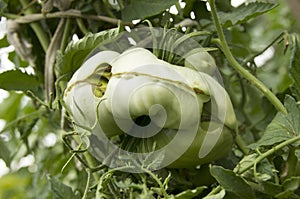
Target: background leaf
(4, 152)
(270, 188)
(295, 66)
(60, 190)
(10, 106)
(283, 126)
(3, 5)
(141, 9)
(244, 12)
(17, 60)
(18, 81)
(14, 185)
(3, 41)
(290, 186)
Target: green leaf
(10, 107)
(283, 126)
(224, 5)
(290, 186)
(270, 188)
(232, 182)
(3, 41)
(17, 60)
(198, 7)
(244, 12)
(76, 52)
(18, 81)
(3, 6)
(4, 152)
(60, 190)
(292, 183)
(14, 185)
(295, 67)
(187, 194)
(138, 9)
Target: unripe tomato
(153, 101)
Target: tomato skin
(190, 158)
(212, 140)
(79, 96)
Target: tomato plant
(149, 99)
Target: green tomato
(137, 94)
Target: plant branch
(259, 159)
(269, 152)
(242, 71)
(277, 39)
(64, 14)
(54, 46)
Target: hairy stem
(269, 152)
(242, 71)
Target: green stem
(242, 71)
(241, 144)
(87, 184)
(89, 164)
(260, 158)
(158, 182)
(270, 152)
(81, 26)
(40, 33)
(66, 35)
(121, 4)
